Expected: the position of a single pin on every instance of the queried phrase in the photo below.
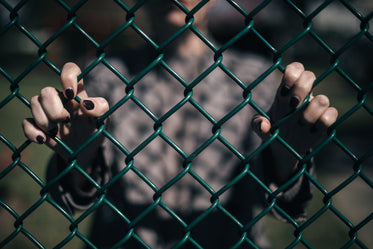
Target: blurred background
(277, 22)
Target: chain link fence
(333, 38)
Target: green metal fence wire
(360, 91)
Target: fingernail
(284, 90)
(40, 139)
(294, 101)
(69, 93)
(89, 105)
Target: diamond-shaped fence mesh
(332, 38)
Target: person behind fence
(206, 171)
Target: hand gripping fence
(358, 160)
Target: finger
(69, 80)
(94, 107)
(302, 87)
(315, 109)
(52, 105)
(32, 132)
(40, 118)
(261, 125)
(328, 117)
(292, 72)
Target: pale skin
(74, 122)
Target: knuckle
(334, 111)
(293, 71)
(329, 117)
(69, 65)
(322, 100)
(41, 123)
(295, 66)
(305, 81)
(309, 75)
(292, 74)
(57, 114)
(309, 117)
(326, 120)
(303, 87)
(47, 92)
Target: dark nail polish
(69, 93)
(40, 139)
(294, 101)
(285, 90)
(89, 105)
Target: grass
(18, 189)
(328, 230)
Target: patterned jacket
(197, 174)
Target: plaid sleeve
(294, 199)
(66, 193)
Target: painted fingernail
(40, 139)
(89, 105)
(284, 90)
(294, 101)
(69, 93)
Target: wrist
(94, 167)
(284, 163)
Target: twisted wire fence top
(343, 60)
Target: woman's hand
(303, 129)
(71, 121)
